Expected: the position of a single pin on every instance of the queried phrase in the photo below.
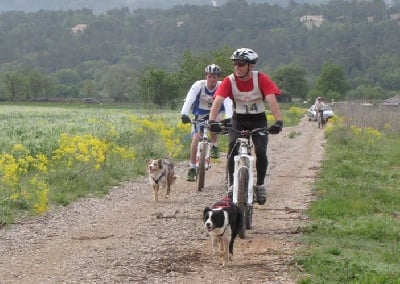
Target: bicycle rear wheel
(201, 171)
(243, 180)
(249, 217)
(319, 119)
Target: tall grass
(384, 118)
(53, 155)
(354, 236)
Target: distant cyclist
(248, 89)
(200, 99)
(319, 107)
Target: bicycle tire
(319, 120)
(227, 187)
(243, 181)
(201, 171)
(249, 217)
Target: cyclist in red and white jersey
(249, 90)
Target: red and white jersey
(248, 96)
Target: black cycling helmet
(245, 54)
(213, 69)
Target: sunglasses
(239, 64)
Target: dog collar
(163, 174)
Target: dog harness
(163, 174)
(226, 202)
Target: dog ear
(206, 210)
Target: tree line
(102, 6)
(155, 55)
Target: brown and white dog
(161, 174)
(223, 222)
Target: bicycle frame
(204, 141)
(244, 159)
(243, 176)
(203, 161)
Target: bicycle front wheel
(319, 120)
(243, 181)
(201, 171)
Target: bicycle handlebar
(227, 127)
(201, 121)
(248, 133)
(205, 122)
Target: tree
(67, 76)
(191, 69)
(331, 82)
(118, 81)
(37, 84)
(222, 58)
(291, 80)
(192, 66)
(88, 88)
(158, 87)
(14, 85)
(388, 71)
(366, 92)
(313, 94)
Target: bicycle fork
(201, 146)
(243, 161)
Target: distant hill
(102, 6)
(77, 53)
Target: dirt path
(126, 238)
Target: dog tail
(173, 179)
(239, 219)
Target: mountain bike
(203, 161)
(243, 190)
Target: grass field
(54, 154)
(354, 236)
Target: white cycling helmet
(245, 54)
(213, 69)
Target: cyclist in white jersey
(200, 99)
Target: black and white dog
(223, 222)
